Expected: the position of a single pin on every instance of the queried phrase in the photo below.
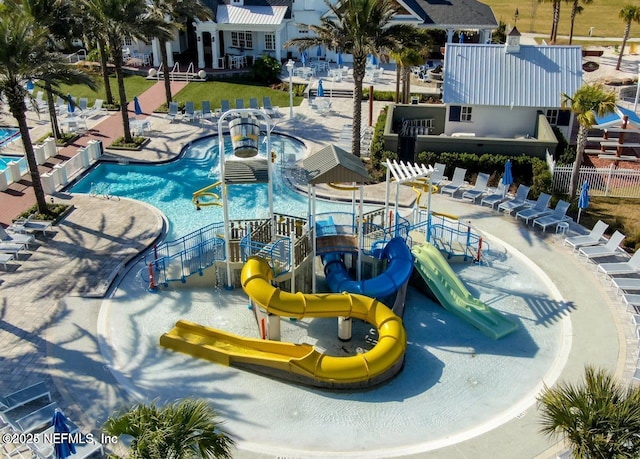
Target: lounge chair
(610, 248)
(16, 238)
(27, 225)
(253, 103)
(437, 176)
(6, 258)
(40, 418)
(539, 209)
(625, 283)
(12, 247)
(225, 106)
(267, 107)
(23, 396)
(96, 109)
(239, 104)
(494, 197)
(478, 189)
(517, 202)
(456, 182)
(173, 111)
(83, 104)
(625, 267)
(189, 111)
(558, 215)
(593, 238)
(631, 300)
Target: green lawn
(215, 91)
(134, 85)
(601, 14)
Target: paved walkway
(50, 303)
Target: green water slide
(454, 296)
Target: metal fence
(606, 181)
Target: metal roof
(334, 165)
(251, 15)
(617, 118)
(536, 76)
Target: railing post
(608, 185)
(152, 284)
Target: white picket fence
(605, 181)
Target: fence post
(608, 186)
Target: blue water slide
(399, 268)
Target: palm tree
(576, 9)
(182, 429)
(359, 28)
(556, 19)
(598, 417)
(628, 13)
(24, 55)
(176, 13)
(587, 102)
(405, 59)
(120, 19)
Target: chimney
(513, 42)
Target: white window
(269, 41)
(552, 116)
(242, 40)
(466, 114)
(459, 113)
(558, 117)
(128, 41)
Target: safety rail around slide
(276, 253)
(191, 254)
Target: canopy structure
(617, 118)
(404, 173)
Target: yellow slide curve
(205, 192)
(300, 362)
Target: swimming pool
(170, 186)
(8, 135)
(5, 160)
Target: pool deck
(50, 303)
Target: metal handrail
(276, 253)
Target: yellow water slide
(211, 198)
(300, 362)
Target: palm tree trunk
(407, 72)
(556, 20)
(398, 76)
(105, 72)
(574, 11)
(53, 117)
(359, 68)
(406, 85)
(575, 173)
(124, 109)
(627, 29)
(166, 76)
(19, 110)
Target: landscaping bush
(266, 69)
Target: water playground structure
(367, 258)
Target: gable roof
(216, 5)
(251, 15)
(536, 76)
(452, 13)
(332, 164)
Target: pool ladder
(101, 189)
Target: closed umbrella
(64, 447)
(319, 52)
(583, 200)
(136, 106)
(320, 89)
(303, 58)
(507, 177)
(30, 85)
(373, 60)
(339, 59)
(71, 107)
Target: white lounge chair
(253, 103)
(6, 258)
(16, 238)
(12, 247)
(225, 106)
(437, 176)
(456, 182)
(539, 209)
(41, 418)
(593, 238)
(27, 225)
(23, 396)
(267, 107)
(173, 111)
(189, 111)
(95, 110)
(610, 248)
(478, 189)
(494, 197)
(558, 215)
(625, 283)
(517, 202)
(625, 267)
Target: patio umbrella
(30, 85)
(373, 60)
(303, 58)
(319, 52)
(507, 177)
(64, 447)
(460, 37)
(136, 106)
(339, 59)
(71, 107)
(320, 89)
(583, 200)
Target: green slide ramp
(454, 296)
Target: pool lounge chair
(267, 107)
(625, 283)
(610, 248)
(253, 103)
(6, 258)
(173, 111)
(16, 238)
(558, 215)
(240, 104)
(625, 267)
(225, 106)
(437, 176)
(23, 396)
(517, 202)
(478, 189)
(593, 238)
(189, 111)
(456, 182)
(29, 225)
(94, 110)
(539, 209)
(12, 247)
(40, 418)
(494, 196)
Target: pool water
(170, 186)
(5, 160)
(8, 135)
